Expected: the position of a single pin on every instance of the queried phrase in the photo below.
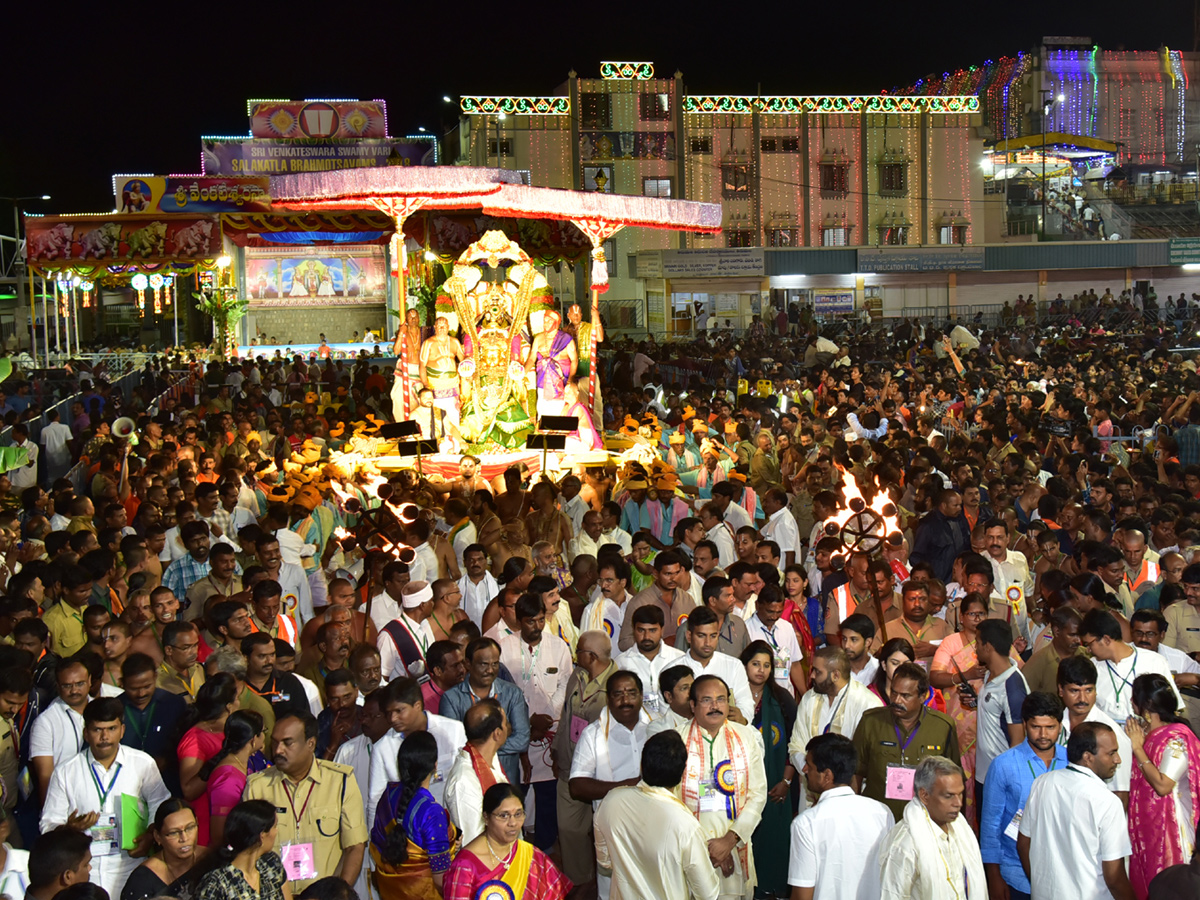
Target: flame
(879, 503)
(341, 533)
(342, 494)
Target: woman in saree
(498, 863)
(1164, 794)
(891, 656)
(774, 716)
(802, 611)
(957, 672)
(412, 841)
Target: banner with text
(725, 262)
(149, 194)
(280, 157)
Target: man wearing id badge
(108, 791)
(724, 784)
(891, 741)
(322, 830)
(1010, 777)
(649, 656)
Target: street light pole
(1044, 92)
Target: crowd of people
(239, 661)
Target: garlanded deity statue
(492, 307)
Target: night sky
(94, 89)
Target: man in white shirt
(477, 766)
(675, 686)
(90, 792)
(463, 532)
(835, 843)
(611, 531)
(609, 751)
(55, 439)
(57, 734)
(1077, 689)
(718, 531)
(587, 539)
(405, 710)
(607, 612)
(385, 606)
(1119, 664)
(649, 656)
(1148, 627)
(835, 704)
(297, 593)
(24, 476)
(1074, 838)
(767, 624)
(676, 865)
(404, 641)
(703, 659)
(573, 506)
(356, 753)
(477, 584)
(932, 839)
(541, 665)
(1009, 567)
(780, 526)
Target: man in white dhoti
(477, 767)
(932, 854)
(724, 784)
(676, 867)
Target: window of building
(595, 110)
(663, 188)
(739, 237)
(780, 144)
(835, 237)
(654, 107)
(952, 234)
(893, 179)
(501, 147)
(893, 235)
(702, 145)
(835, 177)
(610, 256)
(735, 180)
(784, 236)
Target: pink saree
(1162, 829)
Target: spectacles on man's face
(713, 701)
(627, 694)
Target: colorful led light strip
(516, 106)
(882, 103)
(626, 71)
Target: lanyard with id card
(106, 841)
(898, 781)
(299, 863)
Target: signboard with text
(724, 262)
(282, 157)
(151, 194)
(921, 259)
(1183, 251)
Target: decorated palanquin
(496, 295)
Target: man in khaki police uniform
(322, 829)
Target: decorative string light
(87, 287)
(139, 283)
(156, 284)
